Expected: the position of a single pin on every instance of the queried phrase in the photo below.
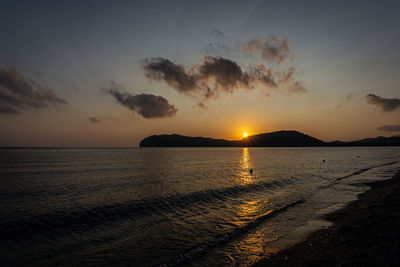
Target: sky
(109, 73)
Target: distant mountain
(274, 139)
(377, 141)
(176, 140)
(282, 139)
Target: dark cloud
(175, 75)
(215, 75)
(6, 109)
(147, 105)
(94, 120)
(223, 74)
(271, 49)
(384, 104)
(18, 93)
(263, 75)
(389, 128)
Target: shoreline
(365, 232)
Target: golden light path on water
(247, 212)
(245, 176)
(254, 244)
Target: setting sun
(245, 135)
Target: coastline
(365, 232)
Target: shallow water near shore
(197, 206)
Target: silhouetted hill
(176, 140)
(377, 141)
(274, 139)
(282, 139)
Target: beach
(364, 233)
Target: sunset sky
(109, 73)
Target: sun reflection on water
(245, 177)
(249, 249)
(248, 211)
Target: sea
(174, 206)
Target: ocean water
(172, 206)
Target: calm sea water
(194, 206)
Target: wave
(201, 249)
(366, 169)
(220, 240)
(60, 170)
(78, 220)
(75, 219)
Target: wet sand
(364, 233)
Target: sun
(245, 135)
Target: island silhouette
(273, 139)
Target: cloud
(271, 49)
(215, 75)
(389, 128)
(224, 74)
(216, 48)
(18, 93)
(217, 34)
(6, 109)
(263, 75)
(384, 104)
(174, 75)
(290, 83)
(147, 105)
(94, 120)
